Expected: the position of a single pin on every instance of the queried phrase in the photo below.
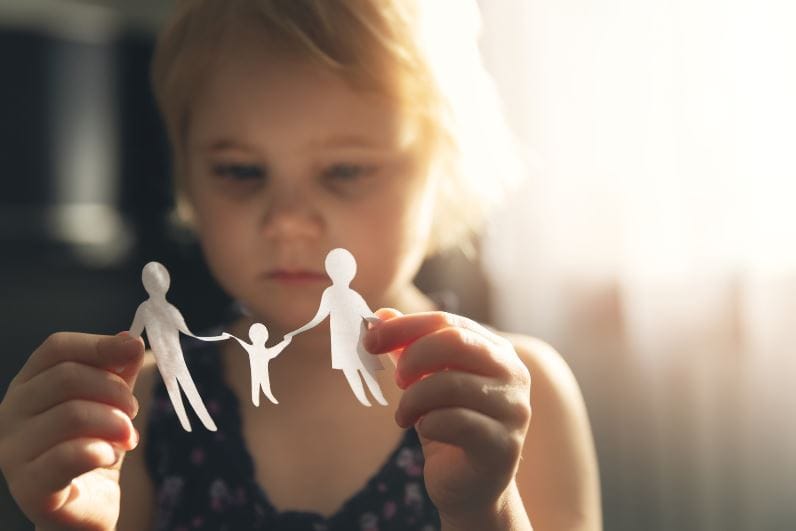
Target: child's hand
(65, 425)
(468, 395)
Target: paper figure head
(258, 334)
(155, 278)
(341, 266)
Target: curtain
(653, 242)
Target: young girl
(299, 126)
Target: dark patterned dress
(206, 480)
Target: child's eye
(239, 172)
(347, 172)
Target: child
(259, 358)
(299, 126)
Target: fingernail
(128, 342)
(136, 407)
(399, 381)
(135, 438)
(127, 338)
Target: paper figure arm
(139, 321)
(221, 337)
(178, 321)
(242, 343)
(279, 347)
(323, 311)
(364, 310)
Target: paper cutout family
(347, 311)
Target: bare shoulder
(548, 370)
(137, 505)
(558, 476)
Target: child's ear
(183, 215)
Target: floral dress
(206, 480)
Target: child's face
(285, 162)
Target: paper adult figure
(163, 324)
(347, 312)
(259, 357)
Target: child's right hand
(65, 424)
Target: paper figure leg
(373, 386)
(352, 375)
(266, 385)
(195, 400)
(255, 386)
(173, 389)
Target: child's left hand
(468, 395)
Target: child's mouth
(296, 276)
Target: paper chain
(349, 313)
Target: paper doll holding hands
(163, 324)
(347, 312)
(259, 357)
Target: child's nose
(289, 213)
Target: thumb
(130, 369)
(385, 314)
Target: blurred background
(652, 242)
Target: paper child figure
(163, 324)
(347, 312)
(259, 357)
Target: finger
(72, 420)
(105, 352)
(45, 486)
(458, 349)
(506, 403)
(385, 314)
(70, 380)
(401, 331)
(484, 439)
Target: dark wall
(47, 284)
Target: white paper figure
(259, 357)
(163, 324)
(347, 312)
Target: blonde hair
(421, 54)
